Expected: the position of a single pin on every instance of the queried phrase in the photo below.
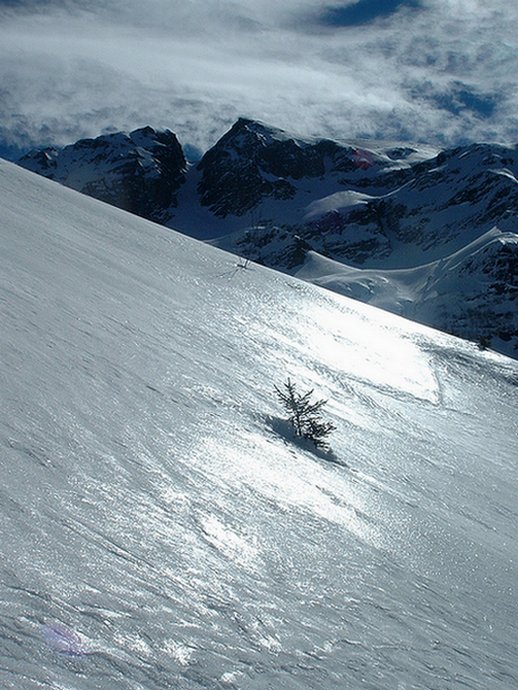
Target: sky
(435, 71)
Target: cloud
(441, 71)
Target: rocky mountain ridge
(349, 215)
(139, 172)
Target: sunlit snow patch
(370, 352)
(228, 541)
(179, 652)
(338, 200)
(290, 478)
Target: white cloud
(196, 65)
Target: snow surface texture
(159, 527)
(369, 207)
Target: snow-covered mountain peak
(140, 171)
(254, 167)
(246, 132)
(273, 197)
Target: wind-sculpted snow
(159, 526)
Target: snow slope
(159, 527)
(472, 293)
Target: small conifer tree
(304, 414)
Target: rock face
(376, 209)
(140, 172)
(476, 293)
(253, 162)
(442, 205)
(232, 179)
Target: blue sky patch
(364, 11)
(464, 99)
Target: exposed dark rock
(139, 172)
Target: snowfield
(159, 527)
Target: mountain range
(427, 234)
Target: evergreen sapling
(304, 414)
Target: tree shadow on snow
(284, 429)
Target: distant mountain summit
(139, 172)
(428, 234)
(253, 163)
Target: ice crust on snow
(153, 515)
